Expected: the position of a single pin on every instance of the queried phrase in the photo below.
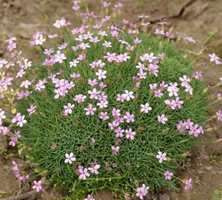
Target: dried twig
(21, 196)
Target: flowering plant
(105, 109)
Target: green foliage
(48, 135)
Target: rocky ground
(21, 18)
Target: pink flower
(148, 57)
(79, 98)
(40, 85)
(103, 103)
(90, 110)
(61, 23)
(68, 109)
(93, 82)
(173, 89)
(94, 93)
(161, 156)
(198, 75)
(22, 94)
(76, 7)
(115, 150)
(145, 108)
(31, 109)
(190, 127)
(142, 191)
(74, 63)
(184, 80)
(37, 186)
(130, 135)
(11, 44)
(119, 132)
(84, 46)
(162, 119)
(218, 114)
(103, 116)
(215, 59)
(17, 172)
(101, 74)
(4, 130)
(75, 75)
(107, 44)
(129, 117)
(126, 96)
(94, 168)
(83, 173)
(97, 64)
(59, 57)
(188, 184)
(89, 197)
(70, 158)
(62, 87)
(14, 139)
(116, 113)
(38, 39)
(19, 120)
(189, 39)
(168, 175)
(153, 69)
(26, 84)
(120, 97)
(3, 63)
(2, 115)
(174, 104)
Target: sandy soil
(22, 17)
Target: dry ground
(22, 17)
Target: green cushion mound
(126, 146)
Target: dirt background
(21, 18)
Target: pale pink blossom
(37, 186)
(83, 173)
(161, 156)
(218, 115)
(11, 44)
(38, 39)
(129, 117)
(26, 84)
(188, 184)
(2, 115)
(142, 191)
(101, 74)
(59, 57)
(90, 110)
(74, 63)
(103, 116)
(130, 134)
(162, 119)
(79, 98)
(89, 197)
(31, 109)
(94, 168)
(61, 23)
(215, 59)
(115, 150)
(40, 85)
(168, 175)
(173, 89)
(145, 108)
(19, 120)
(70, 158)
(68, 109)
(174, 104)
